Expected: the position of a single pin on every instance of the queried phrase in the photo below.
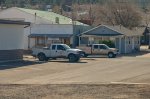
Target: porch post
(133, 43)
(115, 42)
(120, 45)
(45, 40)
(28, 42)
(149, 42)
(35, 42)
(79, 40)
(125, 44)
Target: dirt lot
(126, 77)
(76, 91)
(88, 70)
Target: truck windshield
(66, 46)
(106, 46)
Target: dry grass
(75, 91)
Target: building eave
(14, 22)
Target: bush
(108, 43)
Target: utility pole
(73, 25)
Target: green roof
(51, 16)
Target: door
(103, 50)
(53, 51)
(95, 49)
(60, 51)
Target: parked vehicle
(57, 51)
(99, 49)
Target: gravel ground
(75, 91)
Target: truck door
(53, 51)
(60, 51)
(95, 49)
(103, 49)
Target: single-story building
(127, 41)
(45, 26)
(11, 39)
(45, 34)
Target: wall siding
(117, 43)
(84, 40)
(8, 55)
(137, 42)
(122, 45)
(11, 42)
(11, 37)
(128, 44)
(51, 29)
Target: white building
(11, 39)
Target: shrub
(108, 43)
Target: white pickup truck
(99, 49)
(57, 51)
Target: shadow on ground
(10, 65)
(18, 64)
(66, 61)
(90, 57)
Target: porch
(42, 40)
(123, 39)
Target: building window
(41, 41)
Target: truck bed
(87, 50)
(37, 50)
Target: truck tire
(73, 58)
(111, 55)
(77, 59)
(42, 57)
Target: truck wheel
(111, 55)
(42, 57)
(72, 58)
(77, 59)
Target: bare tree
(118, 13)
(146, 16)
(86, 12)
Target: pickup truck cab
(99, 49)
(57, 51)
